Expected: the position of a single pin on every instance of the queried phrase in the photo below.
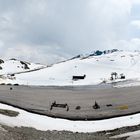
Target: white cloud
(135, 1)
(22, 52)
(30, 53)
(62, 28)
(136, 23)
(132, 44)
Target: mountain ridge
(96, 68)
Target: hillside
(14, 65)
(96, 68)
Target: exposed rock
(1, 61)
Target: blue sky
(47, 31)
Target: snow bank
(47, 123)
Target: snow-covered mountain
(94, 53)
(96, 68)
(16, 66)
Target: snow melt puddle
(44, 123)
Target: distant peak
(98, 52)
(94, 53)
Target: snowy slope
(14, 66)
(96, 68)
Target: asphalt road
(113, 102)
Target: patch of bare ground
(10, 113)
(25, 133)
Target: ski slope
(97, 69)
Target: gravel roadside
(24, 133)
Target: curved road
(113, 102)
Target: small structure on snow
(122, 76)
(114, 75)
(78, 77)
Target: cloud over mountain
(51, 30)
